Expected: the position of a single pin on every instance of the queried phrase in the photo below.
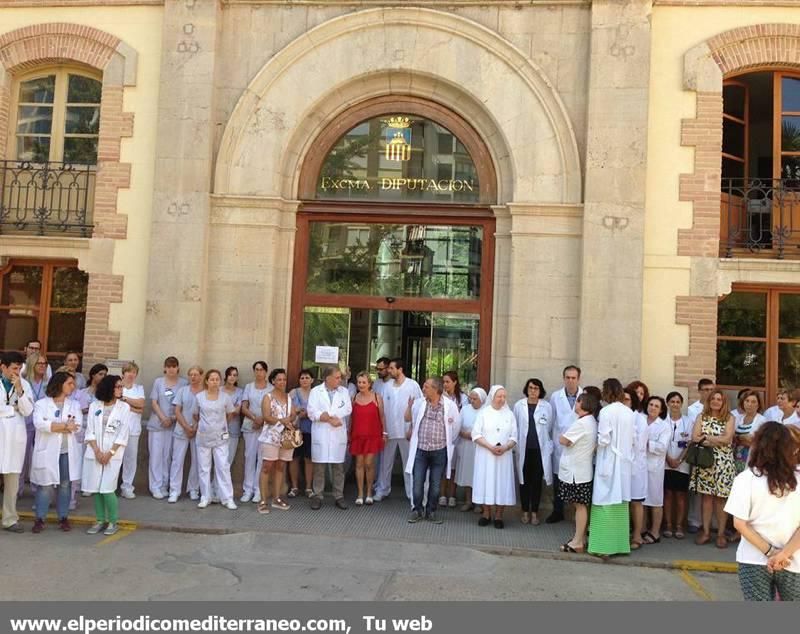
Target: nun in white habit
(465, 449)
(494, 434)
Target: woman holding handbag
(713, 428)
(277, 446)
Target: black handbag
(700, 456)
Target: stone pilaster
(176, 301)
(613, 221)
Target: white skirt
(493, 480)
(655, 488)
(465, 462)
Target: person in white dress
(231, 387)
(212, 410)
(252, 422)
(495, 434)
(452, 391)
(58, 456)
(37, 375)
(133, 395)
(184, 438)
(534, 449)
(659, 433)
(160, 426)
(107, 426)
(638, 468)
(278, 414)
(676, 474)
(16, 402)
(465, 448)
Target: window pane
(454, 346)
(790, 134)
(743, 315)
(65, 332)
(732, 169)
(790, 171)
(741, 363)
(325, 327)
(732, 138)
(69, 288)
(83, 120)
(395, 260)
(789, 324)
(34, 120)
(788, 365)
(33, 148)
(83, 89)
(17, 327)
(39, 90)
(80, 150)
(22, 286)
(733, 99)
(791, 94)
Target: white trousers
(233, 445)
(159, 443)
(387, 465)
(179, 448)
(222, 472)
(129, 459)
(252, 463)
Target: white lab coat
(328, 443)
(612, 474)
(99, 478)
(13, 435)
(543, 416)
(47, 445)
(563, 417)
(659, 437)
(452, 425)
(639, 473)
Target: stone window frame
(53, 44)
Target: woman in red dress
(367, 434)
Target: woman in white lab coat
(37, 373)
(252, 422)
(611, 489)
(465, 448)
(213, 408)
(56, 462)
(534, 448)
(639, 471)
(659, 434)
(107, 429)
(452, 391)
(495, 434)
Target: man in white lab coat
(563, 403)
(329, 404)
(16, 402)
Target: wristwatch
(112, 451)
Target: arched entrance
(394, 252)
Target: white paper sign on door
(326, 354)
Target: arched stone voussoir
(416, 52)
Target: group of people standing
(627, 460)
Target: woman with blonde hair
(367, 435)
(714, 428)
(36, 374)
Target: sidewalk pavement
(387, 520)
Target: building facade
(498, 187)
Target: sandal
(636, 545)
(566, 548)
(667, 533)
(359, 501)
(679, 534)
(702, 538)
(722, 542)
(525, 518)
(263, 508)
(649, 538)
(293, 492)
(309, 493)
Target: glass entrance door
(430, 343)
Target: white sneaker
(230, 505)
(215, 500)
(194, 496)
(246, 498)
(256, 498)
(202, 504)
(443, 501)
(451, 502)
(96, 528)
(111, 530)
(172, 499)
(158, 495)
(359, 501)
(378, 497)
(128, 495)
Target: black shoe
(434, 519)
(554, 518)
(341, 504)
(15, 528)
(499, 524)
(484, 521)
(414, 517)
(316, 503)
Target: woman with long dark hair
(765, 505)
(452, 390)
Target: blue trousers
(433, 464)
(42, 501)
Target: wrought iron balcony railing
(44, 199)
(760, 216)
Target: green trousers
(106, 508)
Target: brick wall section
(44, 44)
(700, 314)
(752, 46)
